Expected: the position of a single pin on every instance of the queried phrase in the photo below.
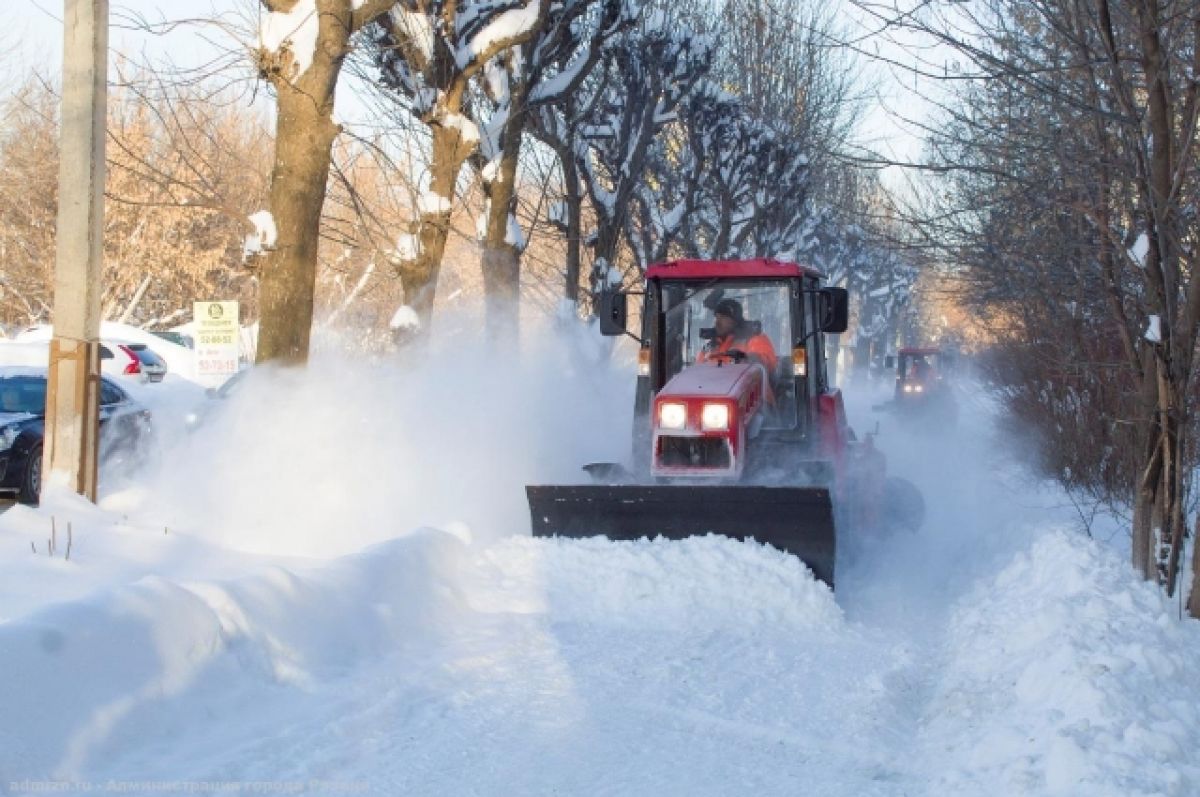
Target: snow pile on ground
(997, 651)
(86, 679)
(1064, 676)
(730, 585)
(106, 550)
(25, 355)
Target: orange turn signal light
(799, 361)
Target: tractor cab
(920, 374)
(703, 397)
(924, 389)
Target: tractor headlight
(714, 417)
(672, 415)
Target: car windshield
(23, 394)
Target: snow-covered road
(999, 651)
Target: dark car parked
(124, 424)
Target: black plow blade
(797, 520)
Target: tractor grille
(694, 452)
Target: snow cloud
(355, 450)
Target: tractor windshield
(764, 308)
(919, 366)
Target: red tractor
(737, 428)
(923, 387)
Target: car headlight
(918, 388)
(672, 415)
(8, 436)
(714, 417)
(908, 388)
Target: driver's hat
(731, 308)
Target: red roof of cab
(709, 269)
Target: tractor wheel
(31, 479)
(903, 504)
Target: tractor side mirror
(835, 310)
(614, 313)
(889, 362)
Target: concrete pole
(72, 400)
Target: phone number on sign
(220, 365)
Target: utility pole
(72, 399)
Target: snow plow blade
(797, 520)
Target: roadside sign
(216, 339)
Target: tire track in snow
(982, 508)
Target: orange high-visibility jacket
(758, 345)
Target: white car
(119, 355)
(121, 358)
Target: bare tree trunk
(303, 141)
(1193, 604)
(420, 275)
(1176, 516)
(137, 298)
(304, 134)
(363, 279)
(573, 197)
(501, 252)
(1144, 502)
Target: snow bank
(1066, 676)
(84, 679)
(991, 653)
(88, 679)
(30, 355)
(712, 581)
(106, 551)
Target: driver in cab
(734, 337)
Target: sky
(34, 32)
